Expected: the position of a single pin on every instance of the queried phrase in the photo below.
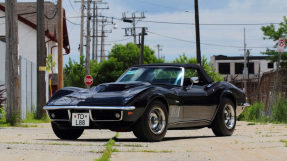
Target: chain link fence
(265, 90)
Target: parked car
(148, 100)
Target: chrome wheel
(156, 120)
(229, 116)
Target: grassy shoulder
(30, 120)
(256, 113)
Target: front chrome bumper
(124, 108)
(241, 108)
(89, 109)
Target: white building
(231, 67)
(27, 48)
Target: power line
(208, 44)
(72, 22)
(21, 14)
(202, 24)
(120, 40)
(207, 24)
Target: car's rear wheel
(225, 120)
(66, 134)
(152, 126)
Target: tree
(204, 62)
(75, 72)
(120, 59)
(50, 64)
(130, 54)
(272, 33)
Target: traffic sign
(281, 45)
(88, 80)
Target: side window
(190, 73)
(167, 76)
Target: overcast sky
(215, 39)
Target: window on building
(2, 38)
(270, 65)
(239, 68)
(251, 68)
(224, 68)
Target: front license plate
(80, 119)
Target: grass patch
(133, 145)
(279, 111)
(251, 123)
(284, 141)
(109, 149)
(149, 151)
(31, 118)
(52, 143)
(256, 113)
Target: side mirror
(187, 82)
(195, 79)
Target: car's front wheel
(225, 120)
(152, 126)
(66, 134)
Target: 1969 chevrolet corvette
(148, 100)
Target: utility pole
(60, 46)
(198, 52)
(88, 39)
(158, 50)
(12, 63)
(94, 30)
(134, 27)
(97, 31)
(245, 64)
(95, 35)
(41, 59)
(103, 42)
(142, 46)
(133, 20)
(82, 29)
(248, 62)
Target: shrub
(279, 112)
(253, 113)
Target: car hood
(108, 94)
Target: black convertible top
(202, 72)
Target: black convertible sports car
(148, 100)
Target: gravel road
(249, 143)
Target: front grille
(58, 114)
(106, 115)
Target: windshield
(154, 75)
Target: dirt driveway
(249, 142)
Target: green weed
(284, 141)
(109, 149)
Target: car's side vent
(106, 115)
(58, 115)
